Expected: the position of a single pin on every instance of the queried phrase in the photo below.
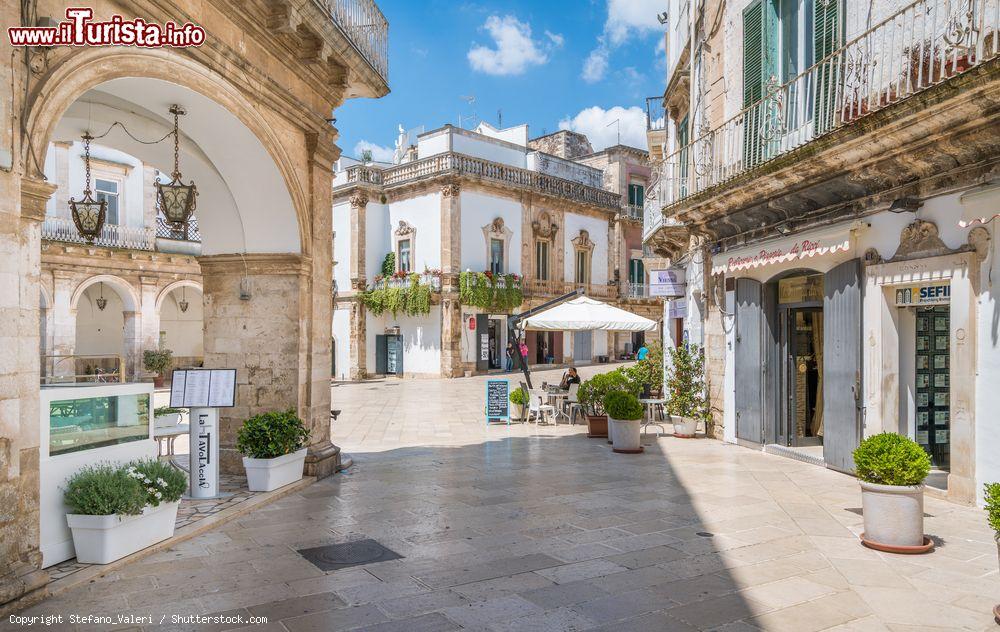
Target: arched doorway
(105, 330)
(181, 323)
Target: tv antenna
(500, 119)
(471, 100)
(617, 122)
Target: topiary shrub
(685, 387)
(593, 391)
(891, 459)
(519, 397)
(160, 482)
(622, 406)
(389, 265)
(272, 434)
(156, 360)
(103, 490)
(993, 507)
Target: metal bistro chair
(538, 407)
(573, 401)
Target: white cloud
(596, 65)
(513, 49)
(626, 18)
(379, 153)
(599, 126)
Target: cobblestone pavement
(540, 528)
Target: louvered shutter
(827, 38)
(760, 38)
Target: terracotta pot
(597, 425)
(158, 381)
(894, 517)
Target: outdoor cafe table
(650, 404)
(557, 396)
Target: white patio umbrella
(585, 313)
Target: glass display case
(94, 422)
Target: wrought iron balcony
(112, 235)
(656, 114)
(428, 278)
(918, 47)
(459, 164)
(633, 211)
(189, 232)
(636, 290)
(365, 27)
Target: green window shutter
(760, 55)
(827, 38)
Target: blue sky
(554, 64)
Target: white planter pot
(685, 427)
(518, 410)
(104, 539)
(625, 434)
(264, 475)
(894, 514)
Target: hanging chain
(177, 168)
(86, 160)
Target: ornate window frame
(582, 244)
(545, 230)
(497, 229)
(405, 231)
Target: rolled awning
(980, 206)
(789, 248)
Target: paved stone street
(523, 528)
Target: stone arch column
(63, 321)
(147, 335)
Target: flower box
(104, 539)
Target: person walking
(643, 352)
(510, 356)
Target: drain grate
(334, 557)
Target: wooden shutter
(748, 360)
(827, 38)
(381, 354)
(482, 342)
(842, 397)
(760, 55)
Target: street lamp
(101, 301)
(88, 213)
(177, 200)
(183, 304)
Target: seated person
(569, 377)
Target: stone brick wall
(564, 143)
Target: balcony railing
(432, 280)
(538, 287)
(914, 49)
(365, 27)
(189, 232)
(656, 114)
(112, 235)
(632, 211)
(636, 290)
(460, 164)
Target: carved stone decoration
(872, 257)
(544, 227)
(404, 228)
(450, 190)
(359, 200)
(496, 227)
(979, 240)
(582, 241)
(920, 239)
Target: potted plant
(625, 418)
(157, 361)
(519, 397)
(273, 449)
(118, 510)
(686, 403)
(992, 497)
(891, 469)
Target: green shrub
(592, 392)
(621, 405)
(993, 506)
(161, 482)
(102, 490)
(519, 397)
(891, 459)
(156, 360)
(685, 391)
(389, 264)
(650, 370)
(488, 291)
(159, 411)
(272, 434)
(412, 299)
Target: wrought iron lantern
(183, 304)
(88, 213)
(101, 301)
(176, 199)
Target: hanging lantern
(183, 304)
(88, 213)
(176, 199)
(101, 301)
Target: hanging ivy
(492, 292)
(412, 299)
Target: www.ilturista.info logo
(79, 29)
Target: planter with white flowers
(992, 497)
(117, 510)
(273, 446)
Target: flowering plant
(160, 481)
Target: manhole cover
(336, 556)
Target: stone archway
(180, 319)
(90, 331)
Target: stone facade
(564, 144)
(279, 72)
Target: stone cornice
(35, 196)
(281, 263)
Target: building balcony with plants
(408, 293)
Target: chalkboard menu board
(497, 401)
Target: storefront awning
(585, 313)
(980, 206)
(791, 248)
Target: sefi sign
(497, 401)
(936, 293)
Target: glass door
(803, 383)
(933, 387)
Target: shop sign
(782, 251)
(938, 293)
(666, 283)
(677, 309)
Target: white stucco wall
(342, 245)
(423, 213)
(182, 332)
(130, 196)
(100, 332)
(478, 210)
(377, 237)
(342, 334)
(598, 229)
(421, 341)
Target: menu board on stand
(203, 392)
